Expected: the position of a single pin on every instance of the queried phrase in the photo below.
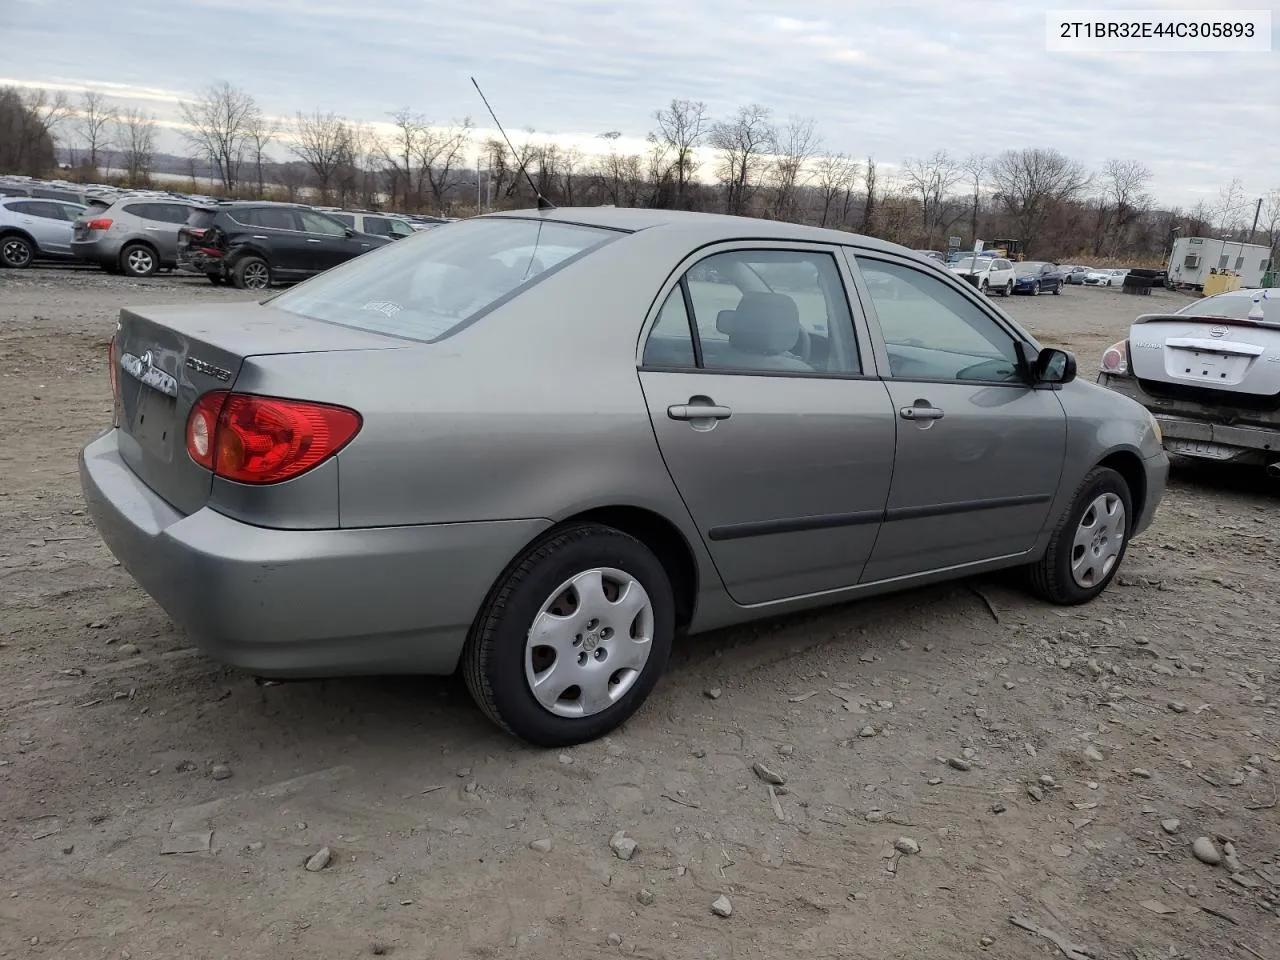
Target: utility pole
(1257, 212)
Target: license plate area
(1204, 366)
(154, 422)
(1202, 449)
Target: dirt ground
(1053, 766)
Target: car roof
(702, 226)
(1242, 292)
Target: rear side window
(377, 226)
(47, 194)
(346, 219)
(143, 210)
(430, 285)
(270, 218)
(199, 219)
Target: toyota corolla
(540, 446)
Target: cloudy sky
(885, 78)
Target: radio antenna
(543, 202)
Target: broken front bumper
(1196, 430)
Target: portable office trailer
(1194, 257)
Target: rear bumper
(104, 250)
(302, 603)
(193, 261)
(1191, 430)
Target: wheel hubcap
(1098, 541)
(589, 642)
(255, 276)
(16, 252)
(140, 261)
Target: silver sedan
(540, 446)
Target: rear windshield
(1235, 307)
(427, 286)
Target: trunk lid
(1208, 357)
(168, 357)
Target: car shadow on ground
(1206, 477)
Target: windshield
(968, 263)
(431, 284)
(1027, 268)
(1233, 307)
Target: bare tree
(321, 141)
(50, 111)
(398, 152)
(135, 134)
(1228, 213)
(931, 180)
(975, 167)
(217, 126)
(1124, 199)
(94, 121)
(682, 126)
(441, 155)
(837, 175)
(619, 175)
(259, 131)
(867, 226)
(743, 143)
(1269, 221)
(794, 147)
(1029, 181)
(26, 146)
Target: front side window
(313, 222)
(934, 332)
(435, 282)
(763, 311)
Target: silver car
(134, 235)
(539, 446)
(32, 230)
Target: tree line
(748, 163)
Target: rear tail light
(1115, 359)
(100, 223)
(253, 439)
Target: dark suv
(253, 244)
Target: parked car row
(138, 233)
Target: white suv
(377, 224)
(988, 274)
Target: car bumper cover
(302, 603)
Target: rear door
(48, 224)
(162, 221)
(279, 234)
(979, 452)
(765, 404)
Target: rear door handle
(698, 411)
(921, 412)
(312, 240)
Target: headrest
(724, 321)
(765, 323)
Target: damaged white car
(1210, 374)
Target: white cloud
(884, 78)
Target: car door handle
(152, 228)
(698, 411)
(312, 240)
(921, 411)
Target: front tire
(983, 287)
(1088, 543)
(1035, 289)
(573, 638)
(1057, 291)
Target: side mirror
(1054, 366)
(349, 232)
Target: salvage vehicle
(253, 244)
(540, 445)
(1210, 373)
(987, 273)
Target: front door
(979, 452)
(780, 446)
(329, 239)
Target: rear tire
(983, 287)
(251, 273)
(16, 252)
(139, 260)
(539, 591)
(1035, 289)
(1084, 541)
(1057, 291)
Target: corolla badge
(142, 369)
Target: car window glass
(346, 219)
(772, 311)
(19, 206)
(401, 229)
(72, 211)
(272, 218)
(431, 284)
(142, 210)
(171, 212)
(378, 226)
(313, 222)
(670, 342)
(934, 332)
(45, 209)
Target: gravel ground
(968, 772)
